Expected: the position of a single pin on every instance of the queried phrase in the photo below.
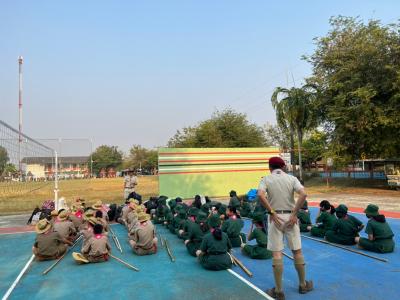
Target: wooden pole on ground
(169, 250)
(345, 248)
(116, 241)
(241, 265)
(125, 263)
(287, 255)
(58, 260)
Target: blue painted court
(337, 274)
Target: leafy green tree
(314, 147)
(295, 113)
(225, 128)
(3, 159)
(277, 136)
(106, 157)
(142, 158)
(356, 68)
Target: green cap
(372, 210)
(201, 217)
(193, 211)
(258, 217)
(214, 221)
(342, 209)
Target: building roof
(61, 159)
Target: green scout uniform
(344, 231)
(234, 202)
(161, 213)
(304, 220)
(245, 209)
(383, 237)
(195, 234)
(215, 255)
(49, 245)
(232, 227)
(326, 220)
(260, 250)
(188, 222)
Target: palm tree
(294, 112)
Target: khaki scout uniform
(49, 245)
(97, 249)
(143, 239)
(66, 229)
(129, 185)
(280, 188)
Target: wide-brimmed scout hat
(142, 217)
(133, 204)
(214, 221)
(98, 205)
(140, 209)
(79, 258)
(42, 226)
(372, 210)
(92, 220)
(342, 209)
(62, 216)
(89, 213)
(54, 213)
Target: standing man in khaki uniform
(276, 192)
(130, 181)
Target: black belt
(283, 211)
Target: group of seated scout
(211, 229)
(337, 226)
(141, 231)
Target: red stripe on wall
(212, 160)
(188, 153)
(213, 171)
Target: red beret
(277, 161)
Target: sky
(134, 72)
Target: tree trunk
(300, 142)
(292, 151)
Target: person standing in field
(276, 193)
(130, 181)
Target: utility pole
(20, 62)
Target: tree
(3, 159)
(142, 158)
(356, 68)
(314, 147)
(277, 136)
(106, 157)
(225, 128)
(295, 113)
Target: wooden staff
(58, 260)
(287, 255)
(241, 265)
(125, 263)
(161, 240)
(346, 248)
(169, 250)
(116, 241)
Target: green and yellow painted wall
(186, 172)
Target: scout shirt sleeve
(86, 247)
(321, 218)
(335, 226)
(262, 185)
(204, 245)
(297, 186)
(369, 229)
(252, 235)
(225, 226)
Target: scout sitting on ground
(102, 221)
(345, 229)
(325, 219)
(65, 227)
(191, 220)
(245, 207)
(380, 236)
(196, 233)
(76, 216)
(144, 241)
(260, 250)
(234, 200)
(96, 250)
(304, 218)
(48, 244)
(233, 226)
(213, 253)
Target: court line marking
(261, 292)
(11, 288)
